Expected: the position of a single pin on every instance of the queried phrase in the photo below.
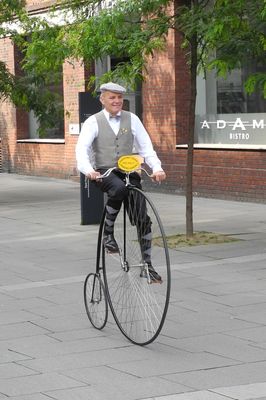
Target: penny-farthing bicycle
(122, 280)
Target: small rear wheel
(95, 300)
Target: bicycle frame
(99, 244)
(122, 280)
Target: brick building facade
(234, 171)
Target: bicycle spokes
(139, 306)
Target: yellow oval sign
(129, 163)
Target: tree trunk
(190, 151)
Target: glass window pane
(53, 127)
(225, 114)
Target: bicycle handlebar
(108, 172)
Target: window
(225, 114)
(52, 126)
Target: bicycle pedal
(155, 281)
(112, 252)
(143, 274)
(96, 301)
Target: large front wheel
(139, 305)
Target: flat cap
(112, 87)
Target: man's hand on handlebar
(93, 175)
(158, 176)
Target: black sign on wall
(88, 105)
(91, 198)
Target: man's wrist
(157, 170)
(89, 171)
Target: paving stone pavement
(212, 346)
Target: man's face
(112, 102)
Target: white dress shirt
(89, 131)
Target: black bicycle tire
(93, 320)
(168, 280)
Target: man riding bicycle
(104, 138)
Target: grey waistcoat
(108, 147)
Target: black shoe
(153, 275)
(110, 244)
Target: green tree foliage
(8, 12)
(238, 35)
(227, 33)
(232, 30)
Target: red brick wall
(239, 175)
(74, 82)
(236, 175)
(160, 101)
(43, 159)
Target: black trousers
(117, 192)
(114, 185)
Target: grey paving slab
(257, 317)
(55, 348)
(22, 329)
(243, 310)
(14, 317)
(244, 392)
(228, 376)
(242, 299)
(184, 312)
(36, 290)
(228, 277)
(235, 287)
(85, 359)
(111, 383)
(204, 326)
(82, 393)
(36, 383)
(155, 366)
(36, 396)
(22, 344)
(256, 335)
(13, 370)
(62, 324)
(223, 345)
(77, 334)
(203, 395)
(3, 397)
(56, 310)
(27, 304)
(180, 257)
(10, 356)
